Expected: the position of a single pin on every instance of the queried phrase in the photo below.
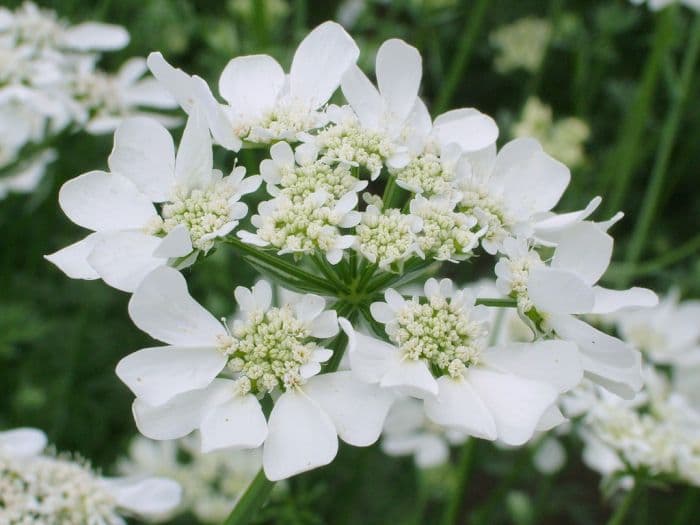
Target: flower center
(300, 181)
(490, 210)
(386, 237)
(283, 121)
(204, 212)
(351, 143)
(440, 333)
(445, 234)
(53, 490)
(268, 350)
(303, 226)
(425, 175)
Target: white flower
(41, 28)
(298, 174)
(666, 334)
(408, 432)
(550, 295)
(305, 225)
(387, 237)
(268, 350)
(507, 192)
(264, 104)
(130, 237)
(521, 44)
(438, 353)
(37, 488)
(211, 483)
(446, 234)
(110, 98)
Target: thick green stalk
(663, 155)
(454, 505)
(625, 155)
(251, 501)
(462, 55)
(280, 265)
(687, 506)
(621, 512)
(500, 303)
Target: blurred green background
(60, 339)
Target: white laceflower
(438, 352)
(657, 434)
(388, 237)
(521, 44)
(507, 192)
(305, 225)
(408, 432)
(108, 99)
(211, 483)
(563, 138)
(299, 173)
(264, 104)
(131, 236)
(666, 334)
(446, 234)
(270, 350)
(44, 488)
(30, 25)
(550, 295)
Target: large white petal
(22, 442)
(194, 161)
(554, 362)
(123, 259)
(144, 153)
(559, 291)
(178, 83)
(358, 409)
(72, 260)
(218, 120)
(163, 308)
(183, 413)
(516, 404)
(146, 497)
(251, 84)
(609, 301)
(470, 129)
(102, 201)
(363, 97)
(300, 437)
(531, 178)
(158, 374)
(586, 250)
(95, 36)
(410, 377)
(238, 422)
(399, 71)
(458, 405)
(370, 358)
(177, 243)
(320, 62)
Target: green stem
(251, 501)
(280, 264)
(462, 55)
(320, 263)
(625, 155)
(668, 139)
(500, 303)
(389, 192)
(454, 505)
(620, 513)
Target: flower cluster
(37, 487)
(360, 200)
(50, 83)
(211, 483)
